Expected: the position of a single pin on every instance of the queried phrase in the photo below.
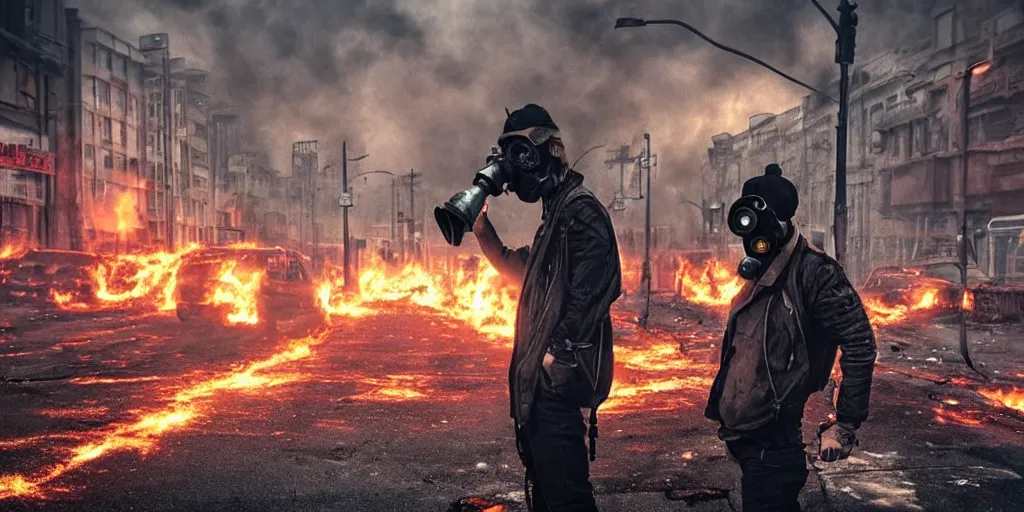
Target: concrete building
(110, 144)
(904, 152)
(225, 141)
(32, 91)
(178, 145)
(245, 200)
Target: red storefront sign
(23, 158)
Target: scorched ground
(395, 400)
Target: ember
(712, 284)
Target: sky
(424, 83)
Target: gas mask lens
(744, 221)
(761, 246)
(522, 154)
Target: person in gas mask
(795, 309)
(570, 275)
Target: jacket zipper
(792, 311)
(767, 365)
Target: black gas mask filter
(521, 163)
(763, 234)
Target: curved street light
(976, 69)
(640, 22)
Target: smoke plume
(423, 83)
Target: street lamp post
(394, 192)
(703, 213)
(846, 30)
(645, 277)
(965, 139)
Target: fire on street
(395, 398)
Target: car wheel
(184, 312)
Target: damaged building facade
(108, 144)
(904, 163)
(33, 71)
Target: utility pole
(645, 278)
(394, 201)
(412, 213)
(344, 217)
(845, 44)
(169, 177)
(622, 158)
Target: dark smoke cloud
(423, 83)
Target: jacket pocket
(566, 381)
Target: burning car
(245, 286)
(45, 273)
(927, 290)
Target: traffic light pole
(845, 44)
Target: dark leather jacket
(781, 340)
(570, 277)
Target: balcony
(900, 114)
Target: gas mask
(535, 160)
(763, 234)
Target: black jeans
(774, 469)
(554, 444)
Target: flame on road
(182, 409)
(478, 297)
(711, 284)
(1012, 398)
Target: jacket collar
(572, 180)
(781, 261)
(778, 265)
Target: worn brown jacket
(781, 341)
(570, 277)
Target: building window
(102, 91)
(120, 162)
(944, 30)
(108, 160)
(200, 131)
(123, 133)
(90, 152)
(133, 106)
(89, 120)
(106, 131)
(92, 53)
(109, 57)
(121, 99)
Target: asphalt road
(405, 410)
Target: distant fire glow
(710, 284)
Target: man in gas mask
(796, 308)
(570, 275)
